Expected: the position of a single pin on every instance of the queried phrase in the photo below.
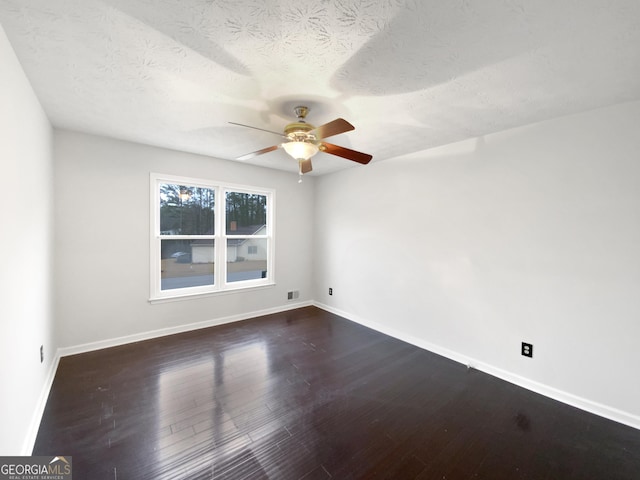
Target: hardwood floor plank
(308, 395)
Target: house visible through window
(208, 237)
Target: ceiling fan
(302, 141)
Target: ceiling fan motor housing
(300, 132)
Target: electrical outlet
(527, 350)
(289, 295)
(41, 353)
(330, 291)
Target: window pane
(246, 259)
(187, 263)
(186, 210)
(246, 213)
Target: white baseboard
(596, 408)
(32, 432)
(114, 342)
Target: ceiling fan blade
(259, 152)
(339, 125)
(347, 153)
(305, 165)
(257, 128)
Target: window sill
(191, 296)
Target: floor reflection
(207, 405)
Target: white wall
(102, 240)
(532, 234)
(26, 320)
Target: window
(208, 237)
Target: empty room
(321, 239)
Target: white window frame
(219, 238)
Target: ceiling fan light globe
(301, 150)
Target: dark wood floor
(306, 394)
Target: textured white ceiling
(409, 74)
